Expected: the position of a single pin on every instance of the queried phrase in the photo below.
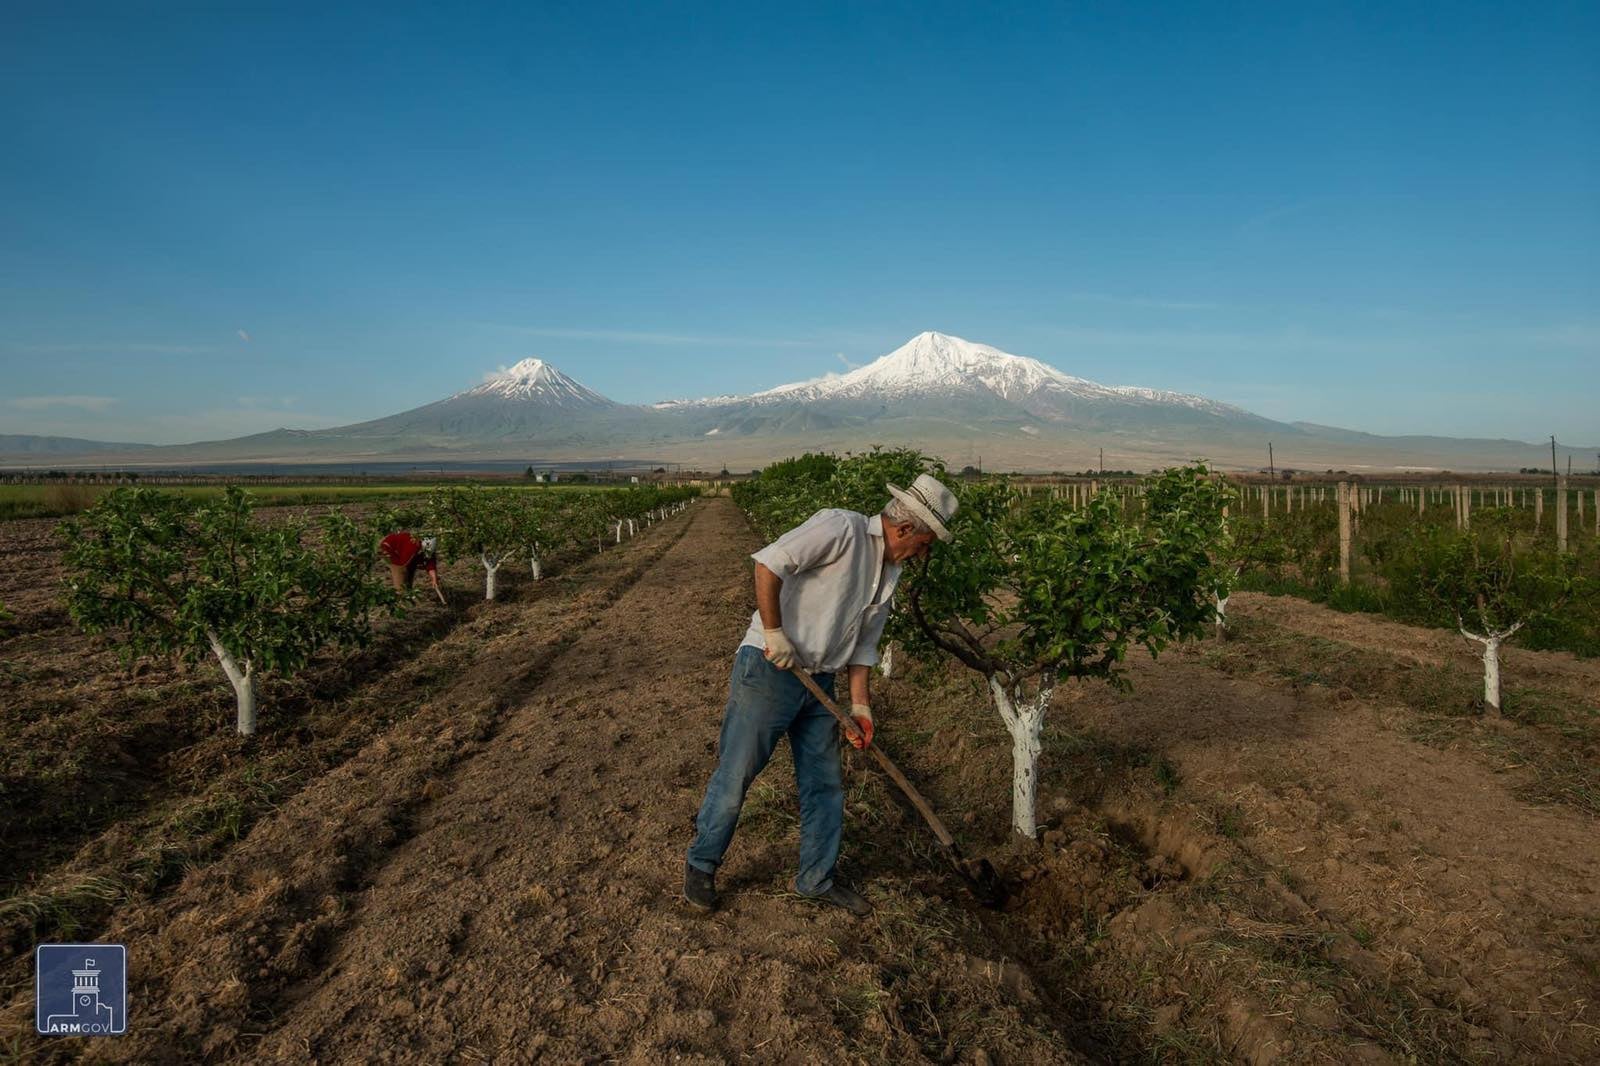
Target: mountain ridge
(940, 392)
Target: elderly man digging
(823, 593)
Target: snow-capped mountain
(528, 401)
(948, 396)
(938, 383)
(536, 381)
(939, 365)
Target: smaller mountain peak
(535, 379)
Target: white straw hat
(931, 502)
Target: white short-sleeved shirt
(837, 590)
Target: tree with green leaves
(172, 575)
(1491, 586)
(1034, 592)
(486, 522)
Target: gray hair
(895, 512)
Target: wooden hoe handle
(853, 730)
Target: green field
(56, 500)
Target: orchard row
(166, 574)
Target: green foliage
(492, 523)
(1035, 587)
(1031, 584)
(785, 494)
(475, 520)
(1398, 555)
(1483, 578)
(168, 574)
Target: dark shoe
(699, 888)
(849, 899)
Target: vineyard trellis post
(1561, 514)
(1344, 532)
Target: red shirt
(400, 548)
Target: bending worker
(406, 555)
(823, 593)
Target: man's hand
(779, 651)
(861, 714)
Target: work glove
(779, 651)
(861, 714)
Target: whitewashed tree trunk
(533, 558)
(1222, 615)
(886, 664)
(631, 527)
(1024, 720)
(491, 567)
(244, 685)
(619, 531)
(1491, 642)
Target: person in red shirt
(406, 555)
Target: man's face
(901, 542)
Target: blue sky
(1383, 216)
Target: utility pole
(1272, 468)
(1103, 460)
(1554, 474)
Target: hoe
(979, 874)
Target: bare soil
(1240, 864)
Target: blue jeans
(764, 704)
